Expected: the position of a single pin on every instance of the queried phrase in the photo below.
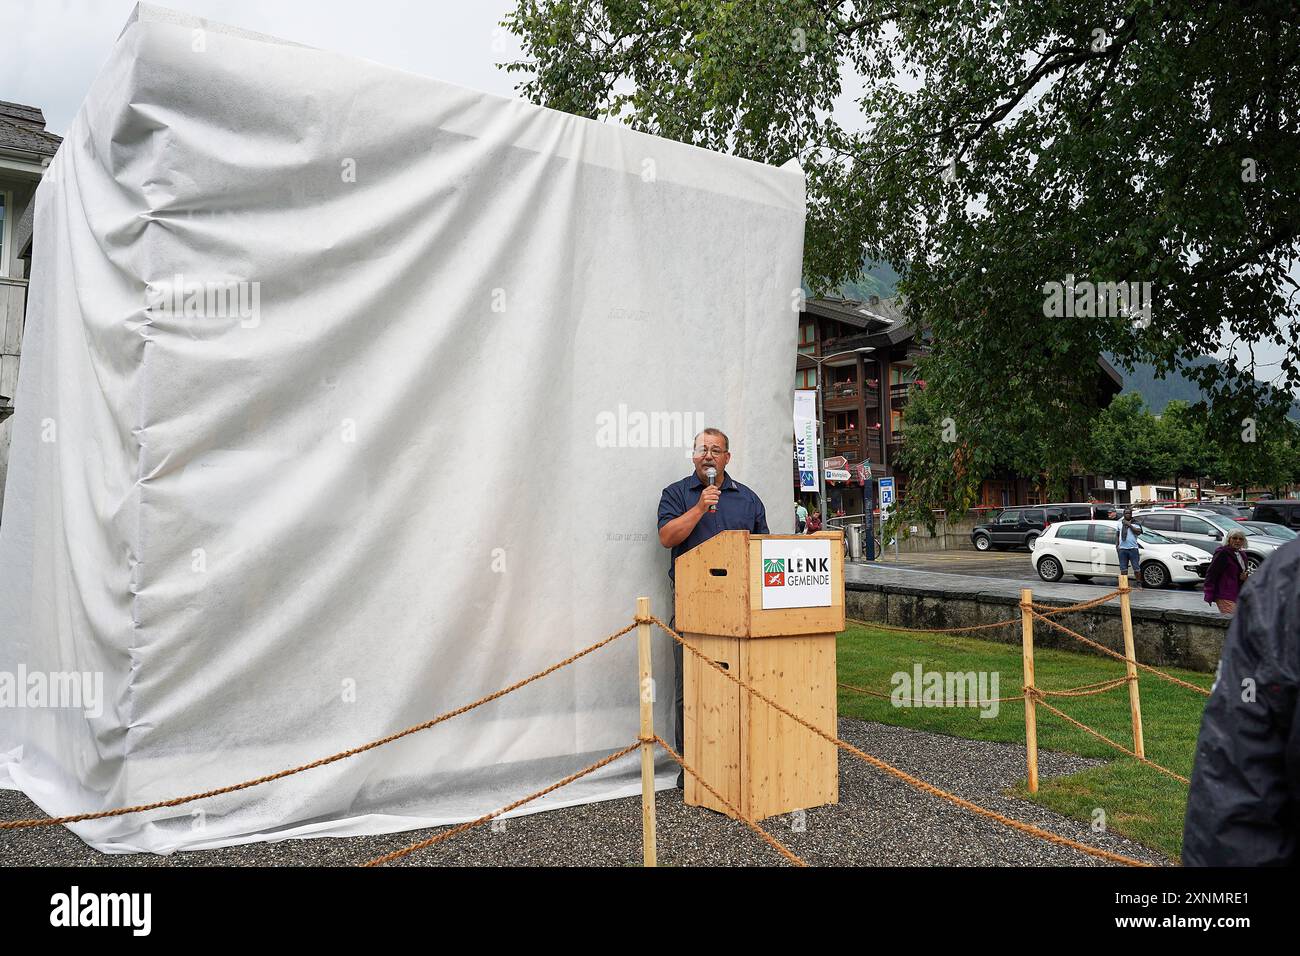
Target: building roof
(848, 311)
(1110, 372)
(26, 115)
(23, 128)
(883, 321)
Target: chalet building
(25, 151)
(866, 353)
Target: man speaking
(693, 510)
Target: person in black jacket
(1243, 807)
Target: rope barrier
(931, 630)
(772, 841)
(406, 850)
(1100, 736)
(1120, 657)
(1039, 695)
(915, 703)
(177, 801)
(1083, 690)
(1082, 606)
(906, 777)
(1101, 687)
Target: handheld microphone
(712, 474)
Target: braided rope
(931, 630)
(455, 831)
(772, 841)
(902, 775)
(1120, 657)
(1087, 690)
(913, 702)
(177, 801)
(1100, 736)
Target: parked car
(1021, 526)
(1229, 509)
(1284, 511)
(1271, 529)
(1086, 549)
(1208, 531)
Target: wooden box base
(762, 762)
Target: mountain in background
(1157, 393)
(878, 278)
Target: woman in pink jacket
(1227, 573)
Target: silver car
(1207, 531)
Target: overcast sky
(54, 48)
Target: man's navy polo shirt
(739, 509)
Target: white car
(1086, 549)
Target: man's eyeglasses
(716, 452)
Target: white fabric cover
(418, 474)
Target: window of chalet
(902, 374)
(807, 338)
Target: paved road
(1004, 567)
(1012, 565)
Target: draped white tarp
(347, 397)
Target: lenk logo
(774, 572)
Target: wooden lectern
(760, 760)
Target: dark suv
(1284, 511)
(1019, 527)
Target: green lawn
(1139, 802)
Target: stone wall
(1162, 637)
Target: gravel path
(880, 821)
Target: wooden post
(1031, 715)
(1130, 666)
(646, 692)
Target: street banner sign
(805, 438)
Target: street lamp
(821, 420)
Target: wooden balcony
(856, 444)
(838, 397)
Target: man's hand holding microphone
(710, 495)
(708, 500)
